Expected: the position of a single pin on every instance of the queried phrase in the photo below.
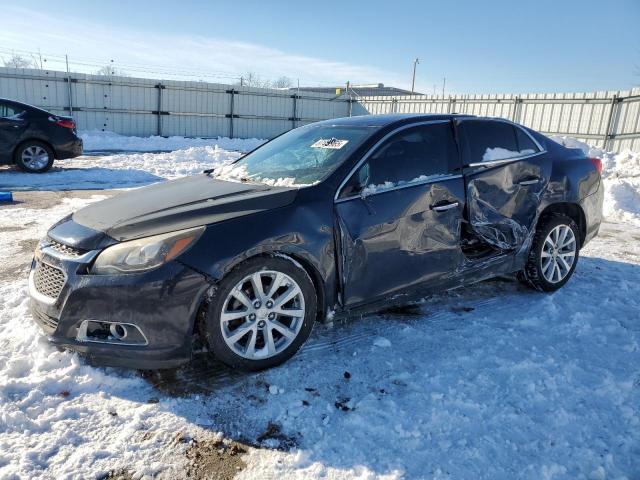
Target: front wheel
(554, 253)
(262, 313)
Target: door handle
(443, 207)
(531, 181)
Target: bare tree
(18, 61)
(111, 70)
(282, 82)
(252, 79)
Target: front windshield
(301, 157)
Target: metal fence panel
(139, 106)
(143, 107)
(608, 119)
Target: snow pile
(123, 170)
(97, 140)
(571, 142)
(621, 174)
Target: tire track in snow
(208, 376)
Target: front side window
(414, 155)
(301, 157)
(489, 140)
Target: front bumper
(162, 303)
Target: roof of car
(388, 119)
(22, 104)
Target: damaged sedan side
(344, 215)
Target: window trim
(372, 150)
(492, 163)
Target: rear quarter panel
(574, 179)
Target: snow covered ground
(125, 170)
(488, 382)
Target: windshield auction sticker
(332, 143)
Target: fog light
(117, 333)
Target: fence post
(517, 108)
(66, 59)
(295, 110)
(612, 122)
(394, 101)
(451, 105)
(231, 115)
(159, 112)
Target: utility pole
(444, 82)
(66, 60)
(413, 80)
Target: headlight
(145, 253)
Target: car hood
(165, 207)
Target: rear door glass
(489, 140)
(525, 144)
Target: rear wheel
(262, 313)
(554, 253)
(34, 157)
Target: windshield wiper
(209, 171)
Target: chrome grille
(48, 280)
(64, 249)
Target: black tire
(213, 325)
(18, 156)
(532, 274)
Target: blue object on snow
(6, 197)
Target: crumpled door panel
(394, 240)
(503, 201)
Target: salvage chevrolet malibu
(340, 216)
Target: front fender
(304, 232)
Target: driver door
(399, 214)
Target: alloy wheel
(558, 253)
(262, 314)
(35, 157)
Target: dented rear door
(506, 171)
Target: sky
(478, 46)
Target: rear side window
(412, 155)
(7, 110)
(486, 140)
(525, 144)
